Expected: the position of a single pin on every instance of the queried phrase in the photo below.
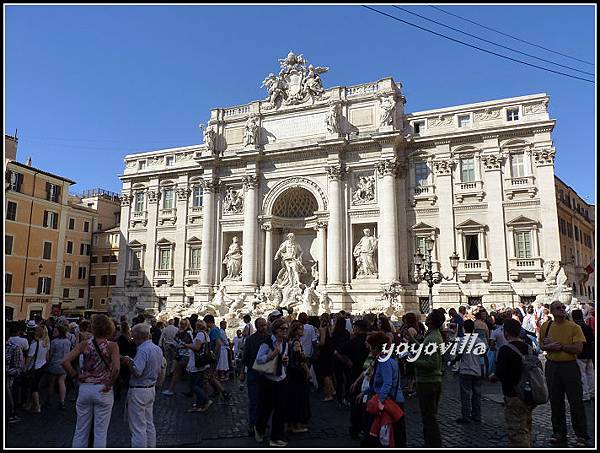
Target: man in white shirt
(19, 340)
(168, 344)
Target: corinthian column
(388, 215)
(322, 240)
(249, 262)
(207, 258)
(334, 228)
(268, 253)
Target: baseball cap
(31, 323)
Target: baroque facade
(360, 183)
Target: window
(190, 301)
(142, 164)
(472, 246)
(82, 293)
(7, 282)
(197, 197)
(467, 169)
(9, 313)
(94, 259)
(70, 247)
(517, 165)
(464, 120)
(11, 211)
(16, 181)
(106, 258)
(47, 250)
(114, 258)
(421, 173)
(102, 301)
(86, 227)
(139, 202)
(92, 280)
(112, 280)
(474, 300)
(420, 245)
(195, 258)
(71, 224)
(512, 114)
(99, 226)
(168, 199)
(103, 280)
(169, 161)
(85, 249)
(136, 260)
(164, 259)
(44, 284)
(418, 127)
(65, 293)
(424, 305)
(67, 271)
(576, 233)
(51, 219)
(53, 192)
(82, 272)
(523, 244)
(8, 244)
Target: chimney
(28, 163)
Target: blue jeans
(470, 396)
(197, 381)
(252, 384)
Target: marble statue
(251, 131)
(221, 301)
(332, 120)
(275, 87)
(364, 252)
(365, 190)
(210, 136)
(290, 253)
(233, 260)
(310, 300)
(324, 303)
(387, 105)
(551, 269)
(233, 203)
(312, 82)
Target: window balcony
(468, 269)
(194, 214)
(468, 189)
(139, 218)
(519, 267)
(164, 277)
(167, 215)
(525, 184)
(134, 278)
(192, 276)
(422, 193)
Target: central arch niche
(296, 202)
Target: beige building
(105, 261)
(577, 240)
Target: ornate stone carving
(233, 260)
(210, 185)
(250, 182)
(295, 84)
(544, 156)
(288, 277)
(126, 199)
(294, 182)
(386, 168)
(439, 121)
(266, 227)
(153, 196)
(185, 156)
(364, 252)
(183, 193)
(335, 172)
(210, 137)
(387, 107)
(233, 202)
(321, 225)
(443, 167)
(365, 190)
(251, 131)
(492, 161)
(131, 164)
(487, 115)
(332, 120)
(532, 109)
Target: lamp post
(424, 269)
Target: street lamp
(424, 269)
(40, 269)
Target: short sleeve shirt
(567, 333)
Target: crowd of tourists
(537, 352)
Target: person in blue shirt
(216, 343)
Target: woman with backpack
(198, 366)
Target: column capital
(336, 172)
(443, 167)
(266, 227)
(211, 185)
(387, 168)
(493, 161)
(126, 199)
(544, 156)
(183, 193)
(153, 196)
(250, 181)
(321, 225)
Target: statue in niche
(210, 136)
(332, 120)
(233, 260)
(290, 253)
(365, 190)
(387, 105)
(233, 202)
(364, 252)
(251, 131)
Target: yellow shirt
(566, 333)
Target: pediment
(163, 241)
(135, 243)
(470, 223)
(422, 226)
(522, 220)
(194, 240)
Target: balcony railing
(163, 277)
(466, 189)
(473, 268)
(192, 276)
(519, 267)
(423, 193)
(525, 184)
(134, 277)
(168, 215)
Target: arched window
(296, 202)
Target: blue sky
(86, 85)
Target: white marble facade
(326, 164)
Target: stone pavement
(224, 425)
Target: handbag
(269, 367)
(204, 357)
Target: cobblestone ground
(224, 425)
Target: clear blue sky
(86, 85)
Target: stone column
(207, 257)
(124, 258)
(388, 215)
(334, 228)
(153, 206)
(179, 260)
(322, 238)
(401, 200)
(544, 161)
(443, 169)
(268, 253)
(250, 262)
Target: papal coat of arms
(296, 83)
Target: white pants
(586, 368)
(140, 404)
(92, 405)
